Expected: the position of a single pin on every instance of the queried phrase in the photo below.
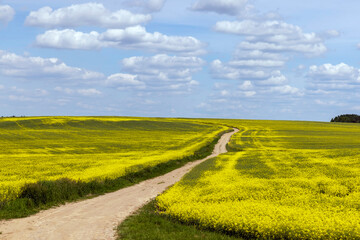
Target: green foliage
(147, 224)
(348, 118)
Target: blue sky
(247, 59)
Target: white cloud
(273, 36)
(334, 77)
(276, 78)
(89, 92)
(230, 7)
(246, 85)
(358, 45)
(69, 39)
(257, 63)
(6, 14)
(147, 5)
(124, 81)
(88, 14)
(287, 89)
(258, 28)
(257, 54)
(246, 94)
(226, 71)
(137, 37)
(340, 71)
(129, 38)
(154, 64)
(308, 49)
(165, 72)
(37, 68)
(83, 92)
(224, 93)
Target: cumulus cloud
(124, 81)
(229, 7)
(165, 72)
(276, 78)
(258, 28)
(147, 5)
(6, 14)
(38, 68)
(273, 36)
(334, 77)
(308, 49)
(246, 85)
(88, 14)
(129, 38)
(222, 70)
(152, 65)
(69, 39)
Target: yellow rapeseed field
(88, 148)
(281, 180)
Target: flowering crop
(88, 148)
(281, 180)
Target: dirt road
(98, 217)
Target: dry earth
(97, 218)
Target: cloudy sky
(252, 59)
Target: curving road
(97, 218)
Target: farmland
(92, 148)
(280, 180)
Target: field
(280, 180)
(88, 149)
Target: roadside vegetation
(51, 160)
(281, 180)
(147, 224)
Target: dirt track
(98, 217)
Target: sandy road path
(98, 217)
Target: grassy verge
(46, 194)
(147, 224)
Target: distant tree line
(350, 118)
(13, 116)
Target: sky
(247, 59)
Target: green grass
(147, 224)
